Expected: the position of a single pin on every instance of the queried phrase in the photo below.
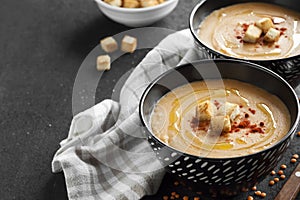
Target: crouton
(252, 34)
(264, 24)
(117, 3)
(103, 62)
(219, 124)
(109, 44)
(148, 3)
(131, 4)
(272, 35)
(204, 111)
(232, 110)
(129, 44)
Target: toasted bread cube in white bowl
(137, 17)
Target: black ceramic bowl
(288, 68)
(219, 176)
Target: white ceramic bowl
(137, 17)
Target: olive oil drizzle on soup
(223, 31)
(262, 121)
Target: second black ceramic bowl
(288, 68)
(219, 176)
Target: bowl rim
(290, 133)
(197, 39)
(135, 10)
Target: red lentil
(263, 194)
(258, 193)
(271, 182)
(185, 198)
(282, 176)
(273, 172)
(165, 197)
(296, 156)
(280, 172)
(254, 188)
(283, 166)
(276, 179)
(293, 160)
(250, 198)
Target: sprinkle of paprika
(256, 130)
(252, 111)
(217, 104)
(245, 27)
(253, 126)
(244, 124)
(283, 29)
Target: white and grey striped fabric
(106, 155)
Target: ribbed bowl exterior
(219, 176)
(288, 68)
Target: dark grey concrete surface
(42, 46)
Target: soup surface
(224, 29)
(255, 119)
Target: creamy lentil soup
(224, 29)
(257, 119)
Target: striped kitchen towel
(106, 155)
